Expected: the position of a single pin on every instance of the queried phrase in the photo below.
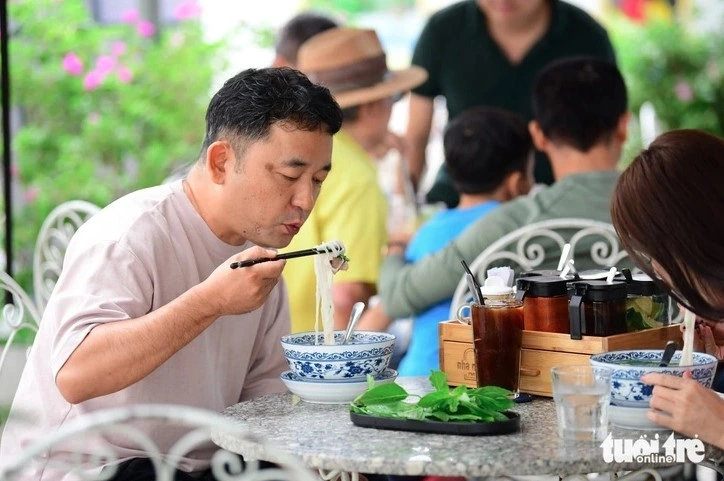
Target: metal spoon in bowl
(669, 351)
(353, 319)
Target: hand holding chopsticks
(332, 247)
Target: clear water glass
(582, 394)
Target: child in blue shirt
(489, 154)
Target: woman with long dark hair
(668, 210)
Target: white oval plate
(337, 392)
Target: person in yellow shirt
(351, 206)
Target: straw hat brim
(398, 81)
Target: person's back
(490, 155)
(486, 52)
(580, 121)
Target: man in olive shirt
(488, 53)
(580, 120)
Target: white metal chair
(52, 242)
(530, 247)
(85, 446)
(16, 317)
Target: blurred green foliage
(105, 109)
(678, 70)
(351, 8)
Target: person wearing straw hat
(351, 63)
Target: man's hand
(242, 290)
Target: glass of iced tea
(497, 333)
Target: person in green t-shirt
(481, 52)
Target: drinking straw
(473, 284)
(687, 354)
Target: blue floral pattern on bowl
(366, 353)
(383, 376)
(339, 356)
(627, 390)
(360, 337)
(334, 370)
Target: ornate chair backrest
(17, 318)
(85, 443)
(52, 242)
(529, 247)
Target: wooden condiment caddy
(540, 351)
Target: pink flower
(123, 74)
(105, 63)
(31, 194)
(131, 16)
(72, 64)
(93, 80)
(187, 10)
(118, 49)
(145, 28)
(683, 91)
(94, 118)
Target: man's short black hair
(251, 102)
(483, 145)
(579, 101)
(298, 30)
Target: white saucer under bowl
(337, 392)
(632, 418)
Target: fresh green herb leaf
(484, 404)
(433, 399)
(370, 381)
(382, 394)
(438, 379)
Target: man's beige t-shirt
(133, 257)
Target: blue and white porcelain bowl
(627, 390)
(365, 353)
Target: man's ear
(539, 139)
(219, 160)
(512, 184)
(515, 184)
(281, 61)
(622, 127)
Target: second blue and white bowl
(628, 390)
(365, 353)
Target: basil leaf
(462, 404)
(492, 391)
(434, 398)
(382, 394)
(438, 379)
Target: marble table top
(323, 436)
